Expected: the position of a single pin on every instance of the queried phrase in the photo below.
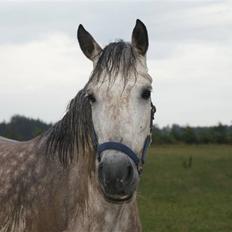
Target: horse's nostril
(130, 174)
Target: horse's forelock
(116, 58)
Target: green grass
(174, 197)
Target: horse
(82, 174)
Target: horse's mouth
(114, 197)
(117, 199)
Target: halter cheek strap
(146, 145)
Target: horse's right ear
(140, 37)
(87, 43)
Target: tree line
(220, 134)
(23, 128)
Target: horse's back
(10, 148)
(9, 144)
(6, 140)
(14, 159)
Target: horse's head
(119, 92)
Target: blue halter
(126, 150)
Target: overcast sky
(189, 58)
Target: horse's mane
(75, 130)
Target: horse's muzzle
(118, 176)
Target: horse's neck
(79, 205)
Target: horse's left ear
(87, 43)
(140, 37)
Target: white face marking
(120, 114)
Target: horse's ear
(87, 43)
(140, 37)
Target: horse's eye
(91, 98)
(146, 94)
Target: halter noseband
(126, 150)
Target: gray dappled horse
(82, 174)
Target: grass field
(180, 195)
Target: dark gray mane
(75, 130)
